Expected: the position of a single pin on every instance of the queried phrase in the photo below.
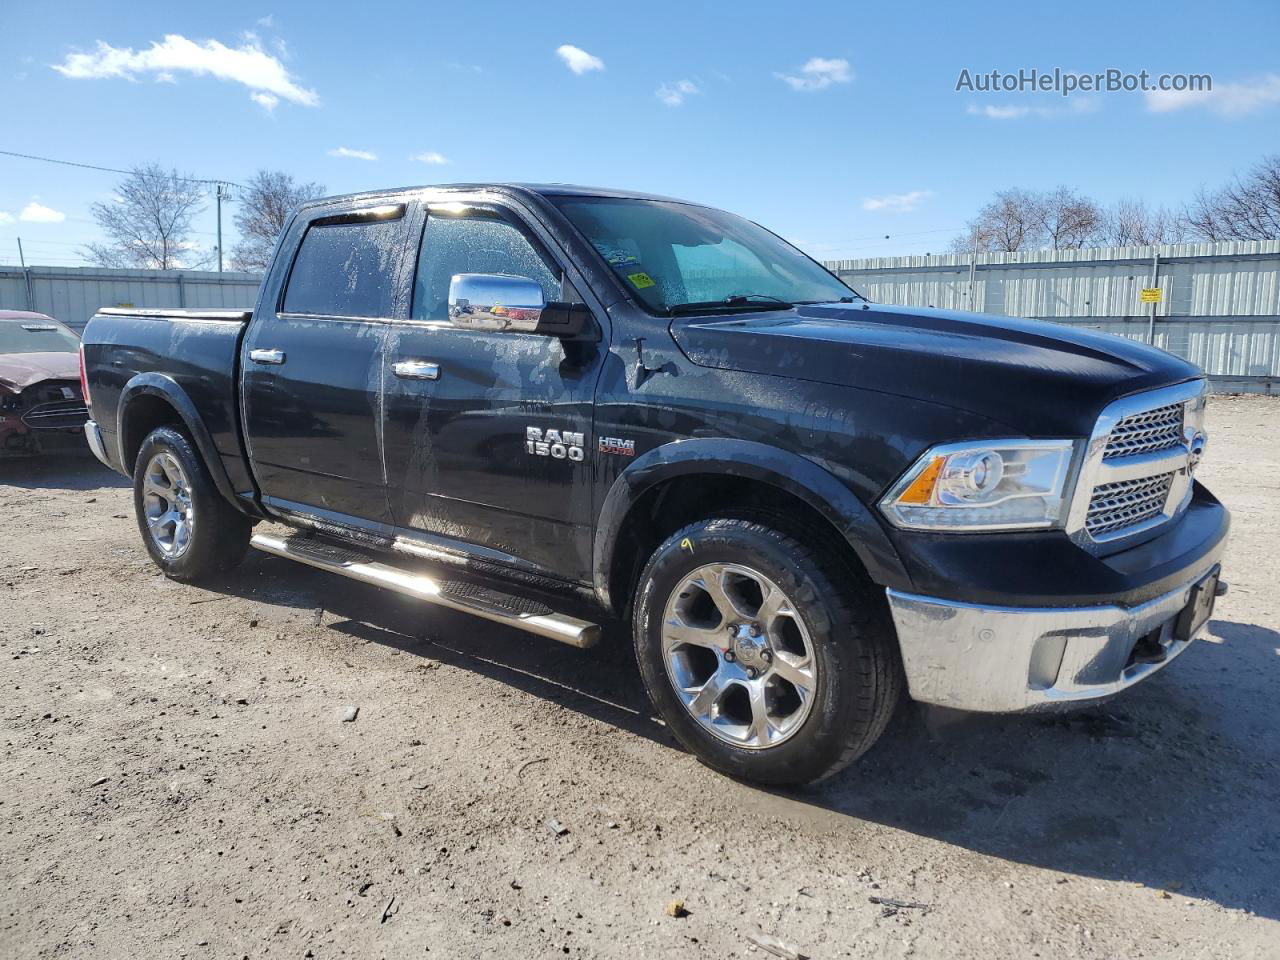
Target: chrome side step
(527, 615)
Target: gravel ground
(177, 779)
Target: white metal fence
(1219, 302)
(74, 294)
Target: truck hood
(20, 370)
(1035, 377)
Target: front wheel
(769, 661)
(189, 530)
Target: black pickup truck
(556, 407)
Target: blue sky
(707, 101)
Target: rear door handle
(416, 370)
(266, 356)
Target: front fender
(755, 461)
(167, 389)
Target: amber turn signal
(920, 492)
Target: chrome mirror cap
(495, 301)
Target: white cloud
(268, 21)
(247, 64)
(352, 154)
(673, 94)
(897, 202)
(1009, 111)
(578, 60)
(1001, 112)
(267, 101)
(35, 212)
(5, 217)
(818, 74)
(431, 158)
(1231, 99)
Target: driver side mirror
(502, 303)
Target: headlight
(985, 485)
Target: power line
(219, 185)
(91, 166)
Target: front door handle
(416, 370)
(266, 356)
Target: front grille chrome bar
(1126, 503)
(1136, 473)
(1147, 432)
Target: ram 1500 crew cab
(554, 407)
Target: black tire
(218, 533)
(858, 681)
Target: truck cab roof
(536, 189)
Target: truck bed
(127, 350)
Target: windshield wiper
(750, 301)
(814, 303)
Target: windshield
(677, 254)
(36, 336)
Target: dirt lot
(176, 779)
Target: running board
(528, 615)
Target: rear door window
(346, 269)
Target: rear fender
(167, 389)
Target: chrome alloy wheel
(739, 656)
(166, 504)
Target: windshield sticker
(640, 280)
(615, 256)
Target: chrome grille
(1125, 503)
(1148, 432)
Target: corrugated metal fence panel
(1220, 307)
(74, 294)
(1227, 249)
(948, 290)
(1197, 279)
(1193, 288)
(1222, 347)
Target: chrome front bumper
(94, 436)
(1014, 659)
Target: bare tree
(149, 223)
(1009, 222)
(265, 206)
(1248, 208)
(1067, 220)
(1032, 220)
(1131, 223)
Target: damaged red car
(41, 398)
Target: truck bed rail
(149, 313)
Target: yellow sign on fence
(1151, 295)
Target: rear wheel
(189, 530)
(768, 661)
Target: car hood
(20, 370)
(1035, 377)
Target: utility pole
(26, 276)
(1155, 280)
(973, 272)
(219, 195)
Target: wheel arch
(728, 465)
(151, 400)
